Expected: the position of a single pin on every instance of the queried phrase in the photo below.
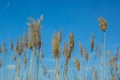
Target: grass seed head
(86, 54)
(71, 42)
(92, 42)
(34, 33)
(81, 49)
(0, 48)
(103, 24)
(77, 63)
(1, 63)
(26, 38)
(66, 51)
(11, 44)
(56, 45)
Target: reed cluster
(27, 57)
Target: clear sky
(78, 16)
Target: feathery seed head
(66, 52)
(103, 24)
(11, 44)
(77, 63)
(86, 54)
(56, 45)
(92, 42)
(71, 42)
(0, 48)
(1, 63)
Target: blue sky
(78, 16)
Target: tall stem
(101, 67)
(31, 63)
(104, 54)
(66, 70)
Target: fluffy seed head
(92, 42)
(11, 44)
(25, 38)
(0, 48)
(66, 52)
(115, 66)
(34, 33)
(103, 24)
(0, 63)
(85, 54)
(56, 44)
(77, 63)
(71, 42)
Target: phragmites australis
(71, 42)
(19, 46)
(34, 33)
(66, 50)
(92, 42)
(5, 48)
(14, 57)
(95, 74)
(25, 38)
(85, 54)
(103, 24)
(115, 66)
(0, 63)
(11, 44)
(81, 49)
(56, 44)
(77, 63)
(0, 48)
(25, 57)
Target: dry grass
(31, 44)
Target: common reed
(95, 74)
(86, 54)
(77, 63)
(67, 51)
(1, 63)
(71, 42)
(31, 45)
(92, 42)
(0, 48)
(56, 52)
(103, 26)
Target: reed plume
(56, 45)
(34, 33)
(92, 43)
(5, 48)
(66, 50)
(77, 63)
(1, 61)
(26, 40)
(11, 44)
(71, 43)
(86, 54)
(103, 24)
(0, 48)
(81, 49)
